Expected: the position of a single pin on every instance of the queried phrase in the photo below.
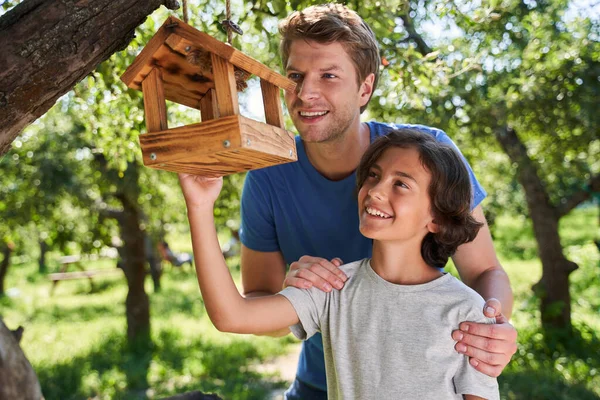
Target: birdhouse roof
(183, 54)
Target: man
(304, 213)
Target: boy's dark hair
(328, 23)
(449, 191)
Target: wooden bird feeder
(189, 67)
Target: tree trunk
(48, 46)
(133, 257)
(43, 268)
(153, 261)
(17, 378)
(6, 252)
(553, 287)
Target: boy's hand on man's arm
(489, 346)
(315, 271)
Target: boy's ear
(433, 227)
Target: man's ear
(433, 227)
(366, 89)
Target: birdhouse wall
(218, 147)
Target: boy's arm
(489, 346)
(227, 309)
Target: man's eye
(294, 76)
(401, 184)
(372, 174)
(329, 76)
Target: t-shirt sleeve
(257, 230)
(310, 307)
(467, 379)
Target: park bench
(75, 261)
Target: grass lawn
(76, 339)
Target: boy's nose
(376, 192)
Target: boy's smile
(394, 199)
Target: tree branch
(579, 197)
(111, 213)
(422, 46)
(49, 46)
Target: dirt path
(284, 366)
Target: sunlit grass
(76, 340)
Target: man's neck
(338, 158)
(401, 263)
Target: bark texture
(553, 288)
(17, 378)
(132, 252)
(50, 45)
(133, 257)
(42, 267)
(6, 253)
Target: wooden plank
(249, 64)
(183, 82)
(208, 106)
(63, 276)
(155, 107)
(268, 139)
(191, 141)
(145, 57)
(272, 103)
(200, 149)
(225, 163)
(194, 38)
(225, 87)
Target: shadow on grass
(554, 364)
(111, 369)
(540, 385)
(76, 314)
(171, 301)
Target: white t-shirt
(389, 341)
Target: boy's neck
(401, 263)
(338, 158)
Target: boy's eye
(294, 76)
(401, 184)
(372, 174)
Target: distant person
(387, 332)
(176, 259)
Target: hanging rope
(228, 16)
(185, 11)
(229, 25)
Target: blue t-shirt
(293, 209)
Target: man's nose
(308, 89)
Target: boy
(414, 202)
